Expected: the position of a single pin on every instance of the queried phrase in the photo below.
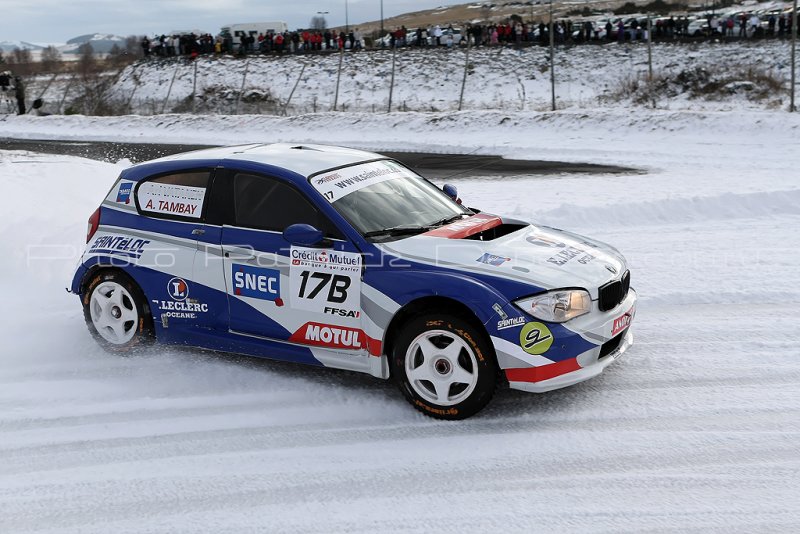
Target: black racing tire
(444, 365)
(116, 312)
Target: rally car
(342, 258)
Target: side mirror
(452, 192)
(305, 235)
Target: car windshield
(385, 199)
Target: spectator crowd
(514, 32)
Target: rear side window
(269, 204)
(174, 196)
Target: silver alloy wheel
(438, 360)
(113, 313)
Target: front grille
(614, 292)
(611, 345)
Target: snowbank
(431, 80)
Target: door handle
(198, 231)
(240, 255)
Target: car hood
(545, 257)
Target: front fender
(412, 284)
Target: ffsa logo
(178, 289)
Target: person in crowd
(145, 46)
(713, 25)
(437, 35)
(587, 30)
(754, 23)
(479, 33)
(19, 92)
(634, 29)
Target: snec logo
(256, 282)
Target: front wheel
(444, 366)
(115, 312)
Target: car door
(285, 292)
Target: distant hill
(8, 46)
(102, 43)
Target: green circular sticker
(535, 338)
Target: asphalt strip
(439, 166)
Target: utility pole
(382, 19)
(346, 19)
(649, 51)
(650, 60)
(552, 63)
(794, 46)
(464, 80)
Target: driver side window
(269, 204)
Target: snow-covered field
(431, 80)
(697, 428)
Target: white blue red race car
(342, 258)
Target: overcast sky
(56, 21)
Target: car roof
(299, 158)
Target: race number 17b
(337, 285)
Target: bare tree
(21, 55)
(318, 22)
(133, 46)
(87, 62)
(91, 81)
(20, 61)
(51, 59)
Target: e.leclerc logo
(256, 282)
(178, 289)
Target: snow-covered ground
(697, 428)
(431, 80)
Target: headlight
(557, 306)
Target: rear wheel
(115, 312)
(444, 366)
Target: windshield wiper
(398, 230)
(409, 229)
(447, 220)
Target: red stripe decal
(543, 372)
(374, 346)
(466, 227)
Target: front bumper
(583, 373)
(582, 349)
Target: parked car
(701, 28)
(342, 258)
